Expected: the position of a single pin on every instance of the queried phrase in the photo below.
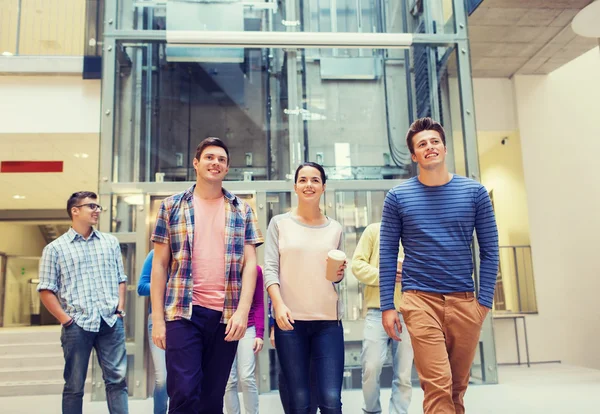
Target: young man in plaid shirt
(83, 284)
(205, 240)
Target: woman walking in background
(243, 370)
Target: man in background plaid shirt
(205, 240)
(83, 284)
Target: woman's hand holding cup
(336, 265)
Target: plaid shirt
(175, 225)
(85, 276)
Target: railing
(515, 287)
(42, 27)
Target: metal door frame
(3, 270)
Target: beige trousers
(444, 331)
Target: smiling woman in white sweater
(306, 305)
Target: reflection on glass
(278, 203)
(128, 255)
(451, 114)
(274, 108)
(355, 210)
(351, 16)
(123, 212)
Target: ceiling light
(7, 54)
(81, 155)
(585, 23)
(136, 199)
(18, 197)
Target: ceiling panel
(526, 37)
(538, 4)
(565, 17)
(537, 17)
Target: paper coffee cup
(336, 259)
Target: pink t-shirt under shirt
(208, 255)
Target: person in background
(243, 369)
(83, 285)
(161, 399)
(365, 266)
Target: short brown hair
(211, 142)
(77, 198)
(420, 125)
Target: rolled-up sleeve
(49, 270)
(161, 228)
(253, 234)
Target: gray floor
(546, 389)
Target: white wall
(20, 240)
(560, 130)
(494, 104)
(49, 104)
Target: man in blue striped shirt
(435, 215)
(83, 284)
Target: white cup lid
(337, 255)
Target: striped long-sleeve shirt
(436, 227)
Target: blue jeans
(284, 394)
(373, 356)
(198, 362)
(160, 374)
(109, 344)
(320, 343)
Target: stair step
(31, 374)
(30, 348)
(30, 334)
(45, 387)
(31, 361)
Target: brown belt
(464, 295)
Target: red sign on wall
(31, 166)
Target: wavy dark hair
(420, 125)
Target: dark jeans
(316, 343)
(284, 393)
(109, 344)
(198, 363)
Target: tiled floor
(543, 389)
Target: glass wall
(343, 101)
(347, 109)
(345, 16)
